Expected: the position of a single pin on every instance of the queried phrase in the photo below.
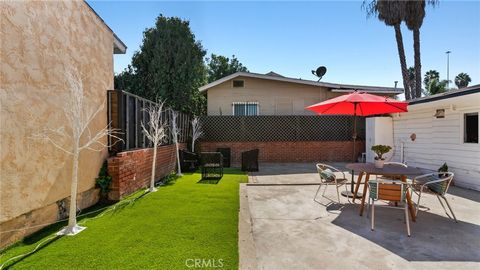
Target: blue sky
(292, 38)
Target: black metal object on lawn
(250, 160)
(212, 165)
(188, 161)
(226, 152)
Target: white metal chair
(330, 176)
(436, 184)
(388, 190)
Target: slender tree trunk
(403, 61)
(154, 162)
(179, 172)
(418, 64)
(72, 216)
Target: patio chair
(390, 177)
(250, 160)
(388, 190)
(188, 160)
(436, 184)
(330, 175)
(212, 165)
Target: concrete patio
(282, 227)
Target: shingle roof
(335, 87)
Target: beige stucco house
(40, 40)
(246, 93)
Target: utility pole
(448, 69)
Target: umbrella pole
(354, 137)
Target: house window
(471, 128)
(245, 108)
(238, 83)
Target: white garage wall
(440, 140)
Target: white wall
(379, 130)
(440, 140)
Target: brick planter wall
(298, 151)
(131, 170)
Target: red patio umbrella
(361, 104)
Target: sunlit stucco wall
(39, 42)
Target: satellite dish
(319, 72)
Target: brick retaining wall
(299, 151)
(131, 170)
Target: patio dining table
(390, 170)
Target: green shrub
(103, 181)
(381, 150)
(170, 178)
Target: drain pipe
(402, 152)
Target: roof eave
(461, 92)
(118, 46)
(396, 91)
(340, 87)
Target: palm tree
(411, 79)
(462, 80)
(392, 14)
(414, 15)
(430, 75)
(435, 86)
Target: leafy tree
(462, 80)
(219, 66)
(169, 66)
(436, 86)
(392, 14)
(128, 81)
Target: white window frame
(246, 105)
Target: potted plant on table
(380, 150)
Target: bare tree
(175, 131)
(197, 131)
(155, 131)
(75, 137)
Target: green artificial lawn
(182, 221)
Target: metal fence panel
(126, 112)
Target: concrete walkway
(289, 230)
